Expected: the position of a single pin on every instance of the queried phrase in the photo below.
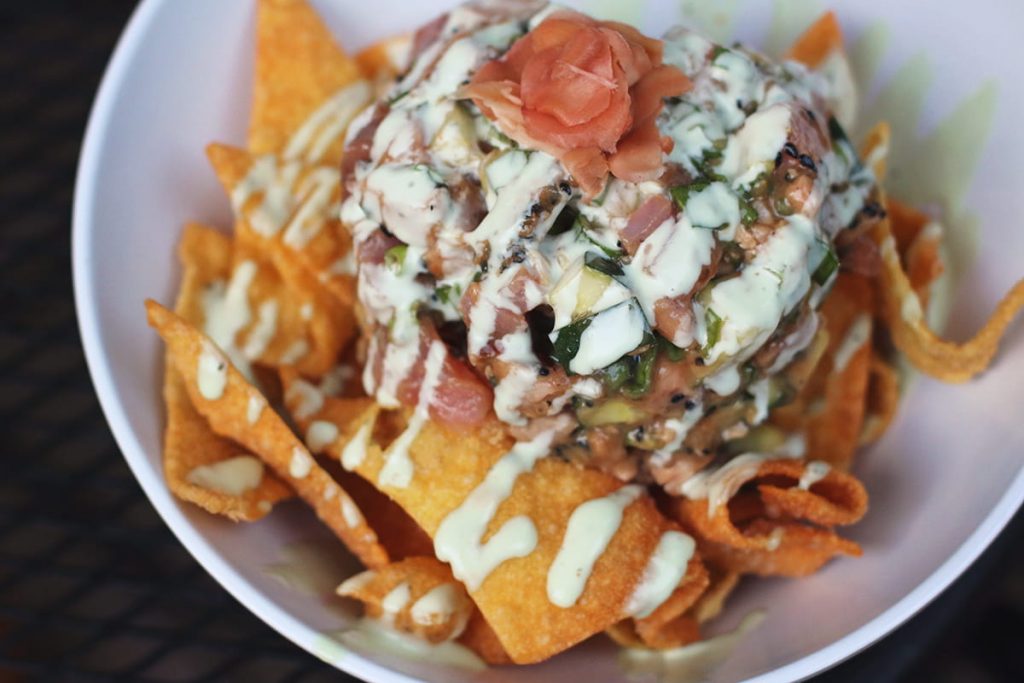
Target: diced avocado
(763, 439)
(615, 411)
(597, 341)
(585, 288)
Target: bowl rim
(152, 482)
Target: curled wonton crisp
(445, 467)
(213, 472)
(772, 517)
(223, 396)
(417, 595)
(904, 316)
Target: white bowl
(943, 482)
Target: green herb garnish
(713, 323)
(567, 343)
(602, 265)
(828, 265)
(643, 373)
(583, 228)
(394, 257)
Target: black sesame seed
(543, 372)
(690, 404)
(678, 398)
(778, 160)
(811, 115)
(699, 362)
(791, 150)
(807, 162)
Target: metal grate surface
(93, 587)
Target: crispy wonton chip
(904, 316)
(417, 595)
(299, 66)
(712, 601)
(823, 38)
(447, 466)
(238, 411)
(260, 317)
(202, 468)
(768, 522)
(832, 419)
(883, 399)
(290, 212)
(214, 473)
(801, 550)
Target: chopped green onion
(718, 52)
(396, 97)
(673, 352)
(829, 264)
(748, 214)
(395, 257)
(617, 374)
(583, 228)
(713, 323)
(681, 194)
(643, 373)
(567, 343)
(447, 292)
(564, 222)
(602, 265)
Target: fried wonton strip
(417, 595)
(904, 316)
(299, 66)
(289, 210)
(800, 550)
(823, 38)
(200, 467)
(832, 423)
(260, 316)
(875, 150)
(836, 499)
(447, 466)
(883, 399)
(214, 473)
(420, 596)
(753, 523)
(712, 601)
(220, 393)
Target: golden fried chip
(883, 399)
(833, 418)
(904, 317)
(818, 42)
(200, 467)
(242, 301)
(712, 601)
(790, 488)
(223, 396)
(289, 211)
(214, 473)
(875, 150)
(417, 595)
(752, 524)
(446, 467)
(800, 550)
(299, 66)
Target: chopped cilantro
(394, 257)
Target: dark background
(93, 586)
